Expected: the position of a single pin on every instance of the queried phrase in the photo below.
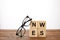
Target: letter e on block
(33, 33)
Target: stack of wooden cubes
(37, 29)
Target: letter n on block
(33, 33)
(33, 24)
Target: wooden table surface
(10, 35)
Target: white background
(12, 12)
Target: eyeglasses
(21, 30)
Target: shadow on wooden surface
(38, 38)
(31, 38)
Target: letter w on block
(42, 24)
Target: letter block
(41, 32)
(37, 29)
(41, 24)
(33, 32)
(33, 24)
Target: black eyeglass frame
(21, 28)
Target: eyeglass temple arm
(25, 18)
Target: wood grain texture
(10, 35)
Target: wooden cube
(33, 33)
(41, 24)
(41, 32)
(33, 24)
(37, 29)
